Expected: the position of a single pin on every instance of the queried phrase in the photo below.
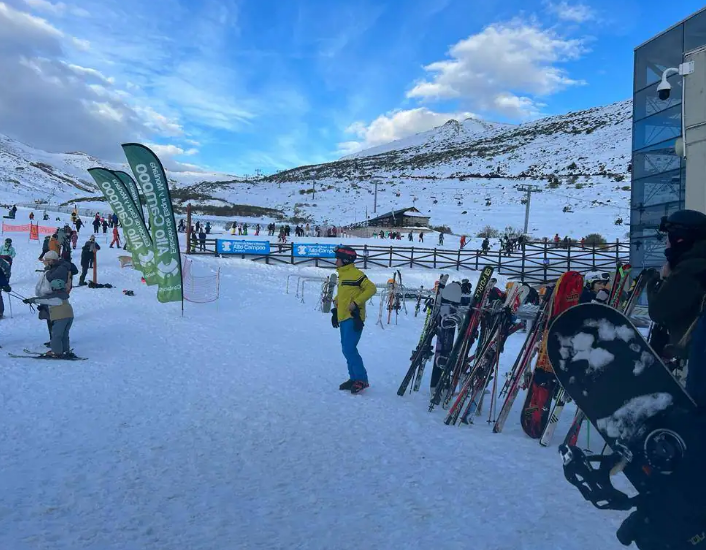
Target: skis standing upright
(423, 352)
(464, 338)
(535, 412)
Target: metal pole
(527, 209)
(375, 200)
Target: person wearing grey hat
(52, 292)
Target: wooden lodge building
(405, 217)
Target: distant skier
(116, 237)
(87, 255)
(348, 315)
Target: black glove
(27, 301)
(334, 318)
(7, 288)
(358, 323)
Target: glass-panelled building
(658, 173)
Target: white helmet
(596, 276)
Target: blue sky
(237, 85)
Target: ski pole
(9, 301)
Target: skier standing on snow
(348, 315)
(87, 255)
(51, 291)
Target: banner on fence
(28, 227)
(33, 232)
(242, 247)
(302, 250)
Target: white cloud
(576, 13)
(395, 125)
(58, 105)
(60, 8)
(502, 68)
(171, 150)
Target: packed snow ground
(225, 429)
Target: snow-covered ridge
(463, 175)
(28, 174)
(592, 141)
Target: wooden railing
(534, 262)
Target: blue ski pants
(349, 345)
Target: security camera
(664, 89)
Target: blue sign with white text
(302, 250)
(242, 247)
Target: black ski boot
(358, 386)
(347, 385)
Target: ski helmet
(8, 241)
(346, 254)
(687, 225)
(58, 284)
(596, 277)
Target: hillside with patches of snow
(464, 175)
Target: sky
(238, 86)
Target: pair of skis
(452, 369)
(485, 365)
(29, 354)
(423, 352)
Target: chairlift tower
(529, 189)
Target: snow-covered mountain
(28, 174)
(449, 134)
(464, 175)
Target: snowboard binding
(594, 483)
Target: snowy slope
(449, 173)
(225, 429)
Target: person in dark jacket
(5, 271)
(675, 296)
(87, 255)
(52, 293)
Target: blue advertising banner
(314, 250)
(242, 247)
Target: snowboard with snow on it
(643, 414)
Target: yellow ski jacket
(353, 286)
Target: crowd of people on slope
(53, 289)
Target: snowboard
(535, 411)
(445, 329)
(640, 410)
(327, 294)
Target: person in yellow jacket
(348, 315)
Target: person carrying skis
(52, 292)
(348, 315)
(595, 287)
